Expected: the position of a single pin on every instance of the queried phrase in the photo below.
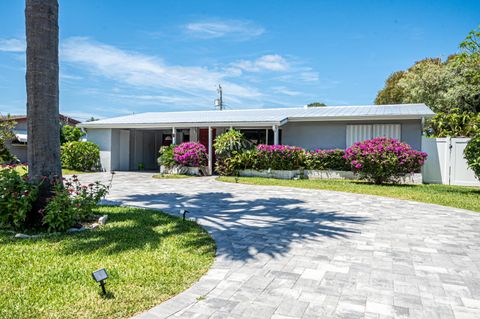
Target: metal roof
(261, 117)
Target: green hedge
(81, 156)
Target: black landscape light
(100, 276)
(184, 212)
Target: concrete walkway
(293, 253)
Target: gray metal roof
(252, 117)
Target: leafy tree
(70, 133)
(91, 119)
(43, 146)
(316, 104)
(442, 85)
(392, 93)
(6, 135)
(472, 155)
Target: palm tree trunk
(43, 146)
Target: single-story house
(132, 141)
(18, 146)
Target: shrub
(227, 146)
(383, 159)
(72, 203)
(81, 156)
(472, 155)
(279, 157)
(166, 157)
(190, 154)
(16, 197)
(455, 123)
(327, 160)
(70, 133)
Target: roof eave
(179, 125)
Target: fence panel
(445, 163)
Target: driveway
(294, 253)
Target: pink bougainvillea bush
(382, 159)
(279, 157)
(190, 154)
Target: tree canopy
(442, 85)
(316, 104)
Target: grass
(23, 169)
(172, 176)
(149, 256)
(446, 195)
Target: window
(358, 133)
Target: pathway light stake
(100, 276)
(184, 212)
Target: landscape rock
(103, 220)
(22, 236)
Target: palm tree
(43, 150)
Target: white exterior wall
(445, 162)
(103, 138)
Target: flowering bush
(71, 203)
(326, 160)
(383, 159)
(16, 197)
(190, 154)
(279, 157)
(472, 155)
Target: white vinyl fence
(445, 163)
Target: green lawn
(454, 196)
(172, 176)
(65, 171)
(150, 257)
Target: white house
(129, 141)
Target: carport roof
(263, 117)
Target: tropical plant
(43, 146)
(70, 133)
(472, 155)
(382, 159)
(16, 197)
(227, 146)
(6, 136)
(190, 154)
(456, 123)
(81, 156)
(326, 160)
(166, 156)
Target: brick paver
(294, 253)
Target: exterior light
(100, 276)
(184, 212)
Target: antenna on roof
(219, 102)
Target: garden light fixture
(100, 276)
(184, 212)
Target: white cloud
(233, 29)
(142, 71)
(12, 45)
(270, 62)
(285, 90)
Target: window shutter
(387, 130)
(358, 133)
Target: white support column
(275, 135)
(210, 155)
(174, 136)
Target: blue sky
(120, 57)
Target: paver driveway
(292, 253)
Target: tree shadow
(242, 228)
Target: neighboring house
(127, 141)
(18, 146)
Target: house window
(358, 133)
